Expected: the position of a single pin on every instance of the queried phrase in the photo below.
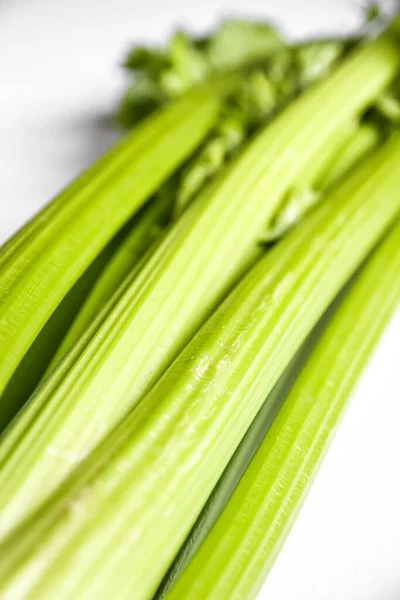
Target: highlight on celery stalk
(100, 531)
(240, 550)
(42, 261)
(191, 270)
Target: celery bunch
(110, 513)
(183, 272)
(187, 275)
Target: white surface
(59, 80)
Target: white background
(59, 81)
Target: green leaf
(187, 65)
(238, 41)
(315, 59)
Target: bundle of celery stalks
(180, 329)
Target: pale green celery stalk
(315, 170)
(369, 138)
(182, 282)
(127, 257)
(239, 552)
(115, 525)
(263, 93)
(32, 367)
(40, 264)
(241, 459)
(10, 439)
(233, 473)
(329, 156)
(365, 139)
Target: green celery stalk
(35, 362)
(11, 439)
(232, 473)
(126, 258)
(363, 140)
(241, 458)
(133, 500)
(41, 263)
(191, 270)
(366, 138)
(240, 550)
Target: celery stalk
(241, 458)
(125, 259)
(191, 270)
(35, 362)
(360, 142)
(133, 500)
(10, 440)
(41, 263)
(232, 473)
(242, 547)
